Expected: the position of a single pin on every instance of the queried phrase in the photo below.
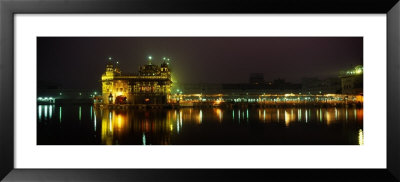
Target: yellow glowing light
(200, 117)
(219, 113)
(328, 117)
(119, 121)
(360, 137)
(287, 118)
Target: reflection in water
(336, 114)
(264, 115)
(360, 137)
(201, 116)
(50, 111)
(177, 122)
(144, 139)
(247, 115)
(80, 113)
(94, 121)
(306, 116)
(277, 113)
(204, 126)
(45, 111)
(40, 112)
(218, 112)
(287, 118)
(60, 113)
(320, 115)
(239, 115)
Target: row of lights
(149, 58)
(45, 98)
(50, 98)
(164, 59)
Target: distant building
(279, 86)
(315, 85)
(152, 85)
(201, 88)
(352, 81)
(53, 93)
(60, 96)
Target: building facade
(152, 85)
(352, 81)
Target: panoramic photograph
(199, 91)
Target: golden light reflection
(336, 114)
(218, 112)
(200, 117)
(320, 115)
(292, 118)
(360, 137)
(120, 122)
(264, 115)
(360, 115)
(277, 114)
(181, 119)
(287, 118)
(159, 126)
(113, 124)
(328, 117)
(106, 129)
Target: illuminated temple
(152, 85)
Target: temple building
(152, 85)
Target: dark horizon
(79, 62)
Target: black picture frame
(8, 8)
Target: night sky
(79, 62)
